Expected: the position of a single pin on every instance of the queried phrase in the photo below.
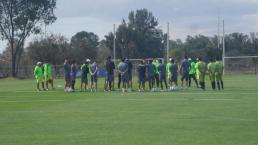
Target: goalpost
(241, 64)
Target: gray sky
(187, 17)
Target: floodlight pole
(223, 53)
(218, 28)
(114, 43)
(168, 41)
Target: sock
(222, 85)
(218, 85)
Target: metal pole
(218, 28)
(223, 54)
(114, 44)
(168, 42)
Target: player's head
(109, 58)
(122, 60)
(150, 61)
(172, 61)
(211, 60)
(87, 60)
(160, 60)
(199, 59)
(39, 63)
(189, 59)
(186, 57)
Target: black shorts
(173, 78)
(142, 79)
(110, 77)
(185, 76)
(94, 78)
(124, 78)
(162, 77)
(84, 80)
(151, 78)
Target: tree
(84, 45)
(53, 49)
(140, 37)
(20, 18)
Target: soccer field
(188, 117)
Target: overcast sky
(187, 17)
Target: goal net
(241, 65)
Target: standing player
(130, 74)
(201, 70)
(84, 75)
(151, 75)
(156, 64)
(109, 82)
(219, 73)
(173, 72)
(184, 71)
(192, 73)
(38, 73)
(67, 75)
(73, 75)
(162, 74)
(142, 75)
(48, 75)
(123, 70)
(211, 70)
(94, 76)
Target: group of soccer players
(163, 76)
(70, 74)
(155, 72)
(43, 75)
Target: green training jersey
(47, 70)
(156, 66)
(38, 72)
(192, 69)
(168, 67)
(201, 67)
(211, 67)
(219, 67)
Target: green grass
(189, 117)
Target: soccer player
(211, 70)
(151, 75)
(94, 76)
(73, 75)
(162, 74)
(219, 73)
(119, 80)
(48, 75)
(67, 75)
(84, 75)
(38, 73)
(192, 73)
(173, 72)
(184, 71)
(156, 64)
(142, 75)
(109, 82)
(123, 70)
(130, 74)
(201, 70)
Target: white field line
(28, 101)
(215, 99)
